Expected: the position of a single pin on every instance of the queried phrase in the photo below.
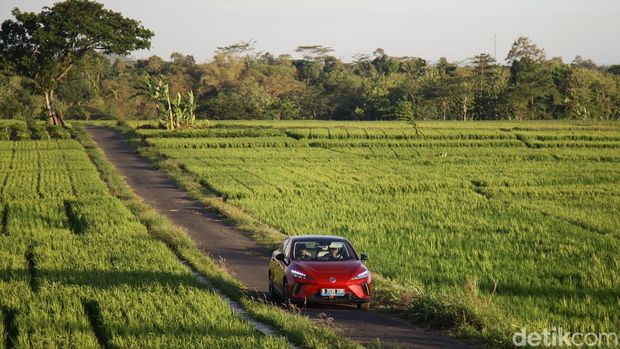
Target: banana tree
(190, 106)
(173, 113)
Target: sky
(455, 29)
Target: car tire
(285, 298)
(363, 306)
(271, 294)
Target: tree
(482, 64)
(313, 52)
(153, 65)
(438, 87)
(585, 63)
(384, 63)
(445, 67)
(45, 46)
(588, 94)
(173, 112)
(220, 74)
(490, 82)
(523, 47)
(16, 101)
(413, 66)
(77, 93)
(530, 89)
(464, 90)
(240, 48)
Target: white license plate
(332, 292)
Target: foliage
(45, 46)
(58, 132)
(243, 83)
(524, 48)
(17, 100)
(37, 130)
(19, 131)
(530, 90)
(174, 113)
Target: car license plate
(332, 292)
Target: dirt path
(244, 257)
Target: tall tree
(523, 47)
(45, 46)
(482, 63)
(530, 86)
(313, 52)
(464, 90)
(581, 62)
(490, 80)
(240, 48)
(530, 89)
(384, 63)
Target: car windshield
(323, 250)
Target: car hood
(326, 269)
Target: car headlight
(299, 275)
(361, 275)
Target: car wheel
(363, 306)
(271, 294)
(285, 298)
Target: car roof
(310, 237)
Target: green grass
(79, 269)
(518, 219)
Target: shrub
(19, 132)
(58, 132)
(37, 130)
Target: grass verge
(298, 329)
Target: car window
(323, 249)
(281, 248)
(287, 248)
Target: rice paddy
(527, 211)
(79, 270)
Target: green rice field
(527, 211)
(78, 270)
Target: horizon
(458, 32)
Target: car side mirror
(363, 257)
(280, 257)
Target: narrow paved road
(244, 257)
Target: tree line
(241, 82)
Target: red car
(319, 269)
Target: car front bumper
(310, 292)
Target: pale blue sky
(456, 29)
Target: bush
(19, 132)
(58, 132)
(37, 130)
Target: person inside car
(303, 252)
(334, 254)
